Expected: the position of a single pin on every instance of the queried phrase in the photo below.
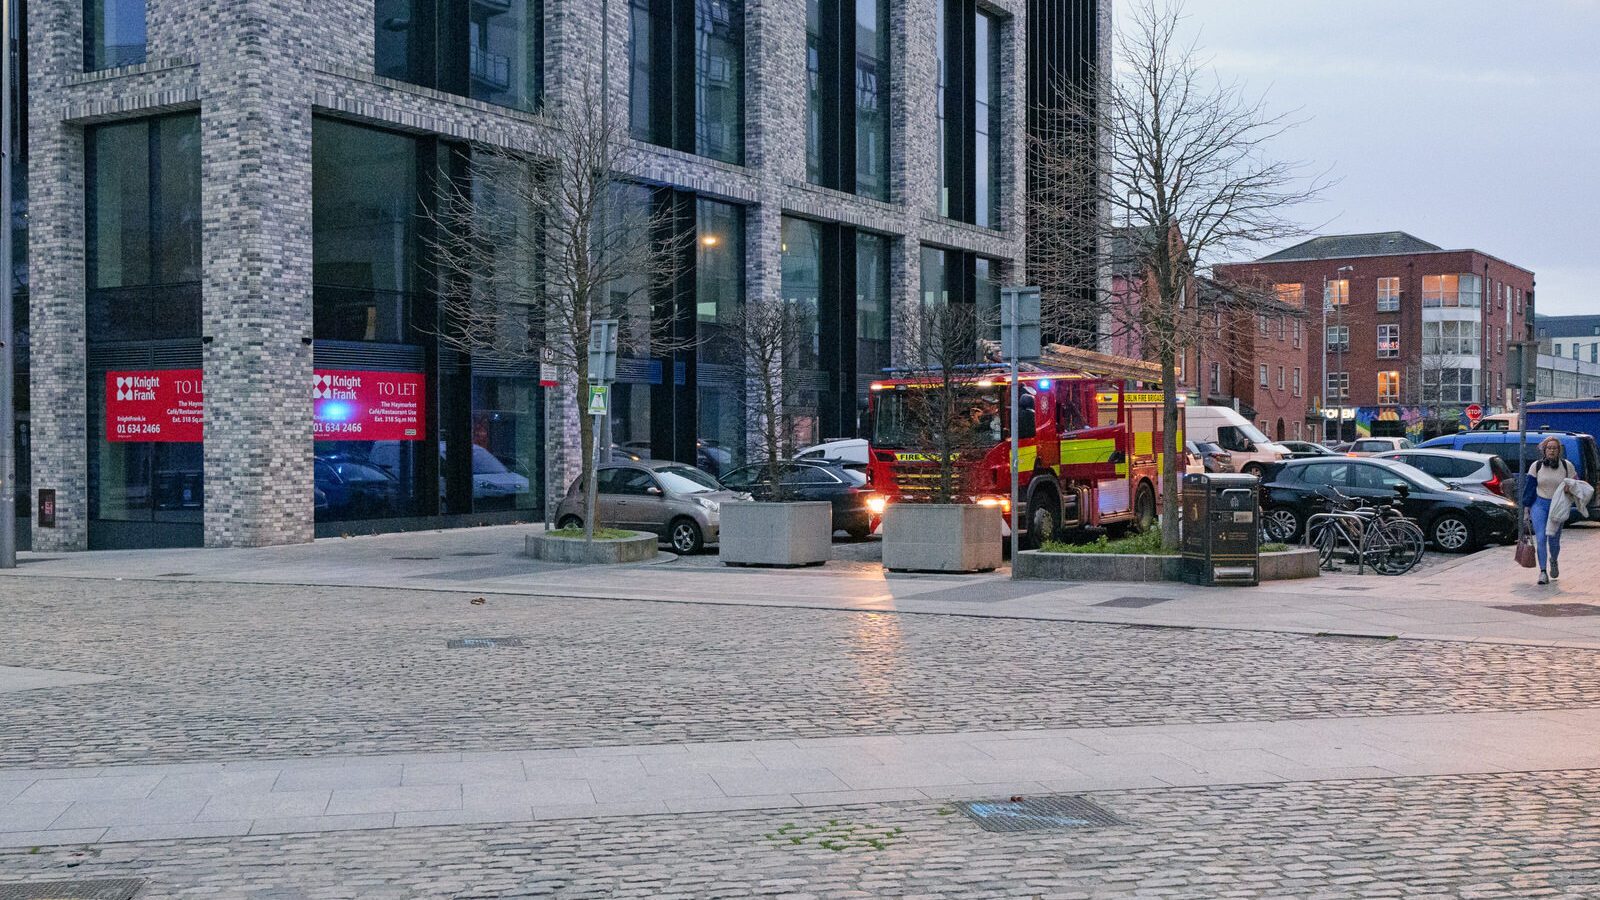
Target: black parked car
(1306, 449)
(1453, 520)
(808, 479)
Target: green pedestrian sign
(599, 398)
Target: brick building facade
(225, 189)
(1414, 333)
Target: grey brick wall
(258, 72)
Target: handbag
(1526, 558)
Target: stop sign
(1474, 413)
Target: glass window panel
(941, 98)
(719, 79)
(719, 298)
(506, 52)
(986, 293)
(120, 226)
(367, 479)
(365, 206)
(114, 34)
(986, 121)
(646, 24)
(403, 40)
(814, 126)
(802, 281)
(507, 435)
(872, 310)
(177, 208)
(935, 277)
(872, 98)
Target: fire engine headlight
(1003, 502)
(876, 504)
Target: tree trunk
(1169, 449)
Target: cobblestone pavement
(1468, 836)
(217, 672)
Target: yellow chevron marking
(1087, 451)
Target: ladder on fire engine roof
(1058, 356)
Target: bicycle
(1379, 536)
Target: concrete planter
(776, 534)
(941, 537)
(1287, 564)
(638, 546)
(1042, 566)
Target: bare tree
(946, 413)
(1160, 169)
(769, 332)
(535, 244)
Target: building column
(257, 312)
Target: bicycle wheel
(1325, 537)
(1394, 547)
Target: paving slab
(722, 776)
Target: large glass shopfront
(410, 432)
(142, 321)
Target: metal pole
(8, 371)
(1016, 394)
(594, 478)
(1324, 373)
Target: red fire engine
(1089, 450)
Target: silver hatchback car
(678, 502)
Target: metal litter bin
(1221, 529)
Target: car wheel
(569, 522)
(858, 532)
(1144, 508)
(685, 536)
(1252, 469)
(1452, 533)
(1043, 521)
(1283, 524)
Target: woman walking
(1545, 479)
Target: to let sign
(156, 405)
(367, 406)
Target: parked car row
(682, 504)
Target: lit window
(1389, 388)
(1292, 294)
(1388, 341)
(1337, 293)
(1388, 294)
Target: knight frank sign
(168, 406)
(162, 405)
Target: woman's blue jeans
(1547, 545)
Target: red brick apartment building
(1408, 334)
(1251, 351)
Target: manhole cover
(474, 643)
(1038, 814)
(412, 558)
(110, 889)
(1352, 587)
(1133, 602)
(174, 574)
(1554, 610)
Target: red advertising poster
(367, 406)
(156, 405)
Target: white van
(1234, 433)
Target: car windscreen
(686, 480)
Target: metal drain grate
(412, 558)
(1038, 814)
(1133, 602)
(174, 574)
(475, 643)
(109, 889)
(473, 553)
(1553, 610)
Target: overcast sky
(1468, 123)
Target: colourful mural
(1416, 420)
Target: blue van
(1579, 448)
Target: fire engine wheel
(1144, 508)
(1044, 522)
